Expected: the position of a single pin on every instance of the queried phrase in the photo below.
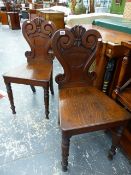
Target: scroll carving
(75, 49)
(37, 28)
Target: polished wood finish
(38, 70)
(82, 107)
(122, 94)
(14, 20)
(55, 16)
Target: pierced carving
(37, 33)
(78, 32)
(76, 49)
(39, 25)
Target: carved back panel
(76, 49)
(38, 33)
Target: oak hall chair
(38, 69)
(82, 107)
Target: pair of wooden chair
(82, 107)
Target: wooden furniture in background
(32, 14)
(13, 20)
(55, 16)
(8, 6)
(82, 107)
(111, 49)
(122, 94)
(4, 18)
(38, 70)
(92, 6)
(38, 5)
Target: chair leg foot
(46, 100)
(111, 152)
(116, 136)
(58, 120)
(33, 89)
(52, 92)
(10, 96)
(65, 151)
(64, 168)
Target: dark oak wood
(122, 94)
(82, 107)
(38, 69)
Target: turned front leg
(65, 151)
(10, 96)
(46, 100)
(116, 136)
(51, 84)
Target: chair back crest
(75, 49)
(38, 33)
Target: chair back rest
(76, 49)
(38, 33)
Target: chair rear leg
(46, 100)
(65, 151)
(116, 136)
(10, 96)
(33, 89)
(51, 84)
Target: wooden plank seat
(82, 107)
(38, 69)
(75, 103)
(31, 72)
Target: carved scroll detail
(76, 49)
(36, 28)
